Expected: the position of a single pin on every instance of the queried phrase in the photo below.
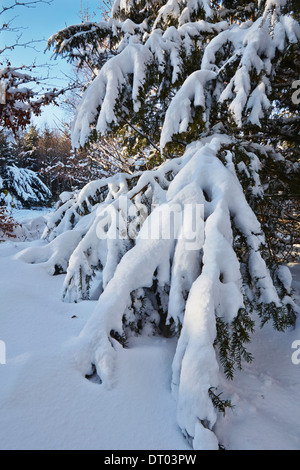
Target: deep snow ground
(45, 403)
(266, 393)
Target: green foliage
(220, 404)
(231, 340)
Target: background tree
(6, 148)
(28, 148)
(22, 94)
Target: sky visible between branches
(38, 24)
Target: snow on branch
(106, 89)
(172, 10)
(76, 40)
(102, 99)
(253, 48)
(190, 96)
(20, 99)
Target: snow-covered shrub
(31, 228)
(9, 228)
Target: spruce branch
(220, 404)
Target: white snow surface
(46, 402)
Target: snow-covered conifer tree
(194, 83)
(20, 187)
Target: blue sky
(40, 23)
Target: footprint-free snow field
(46, 403)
